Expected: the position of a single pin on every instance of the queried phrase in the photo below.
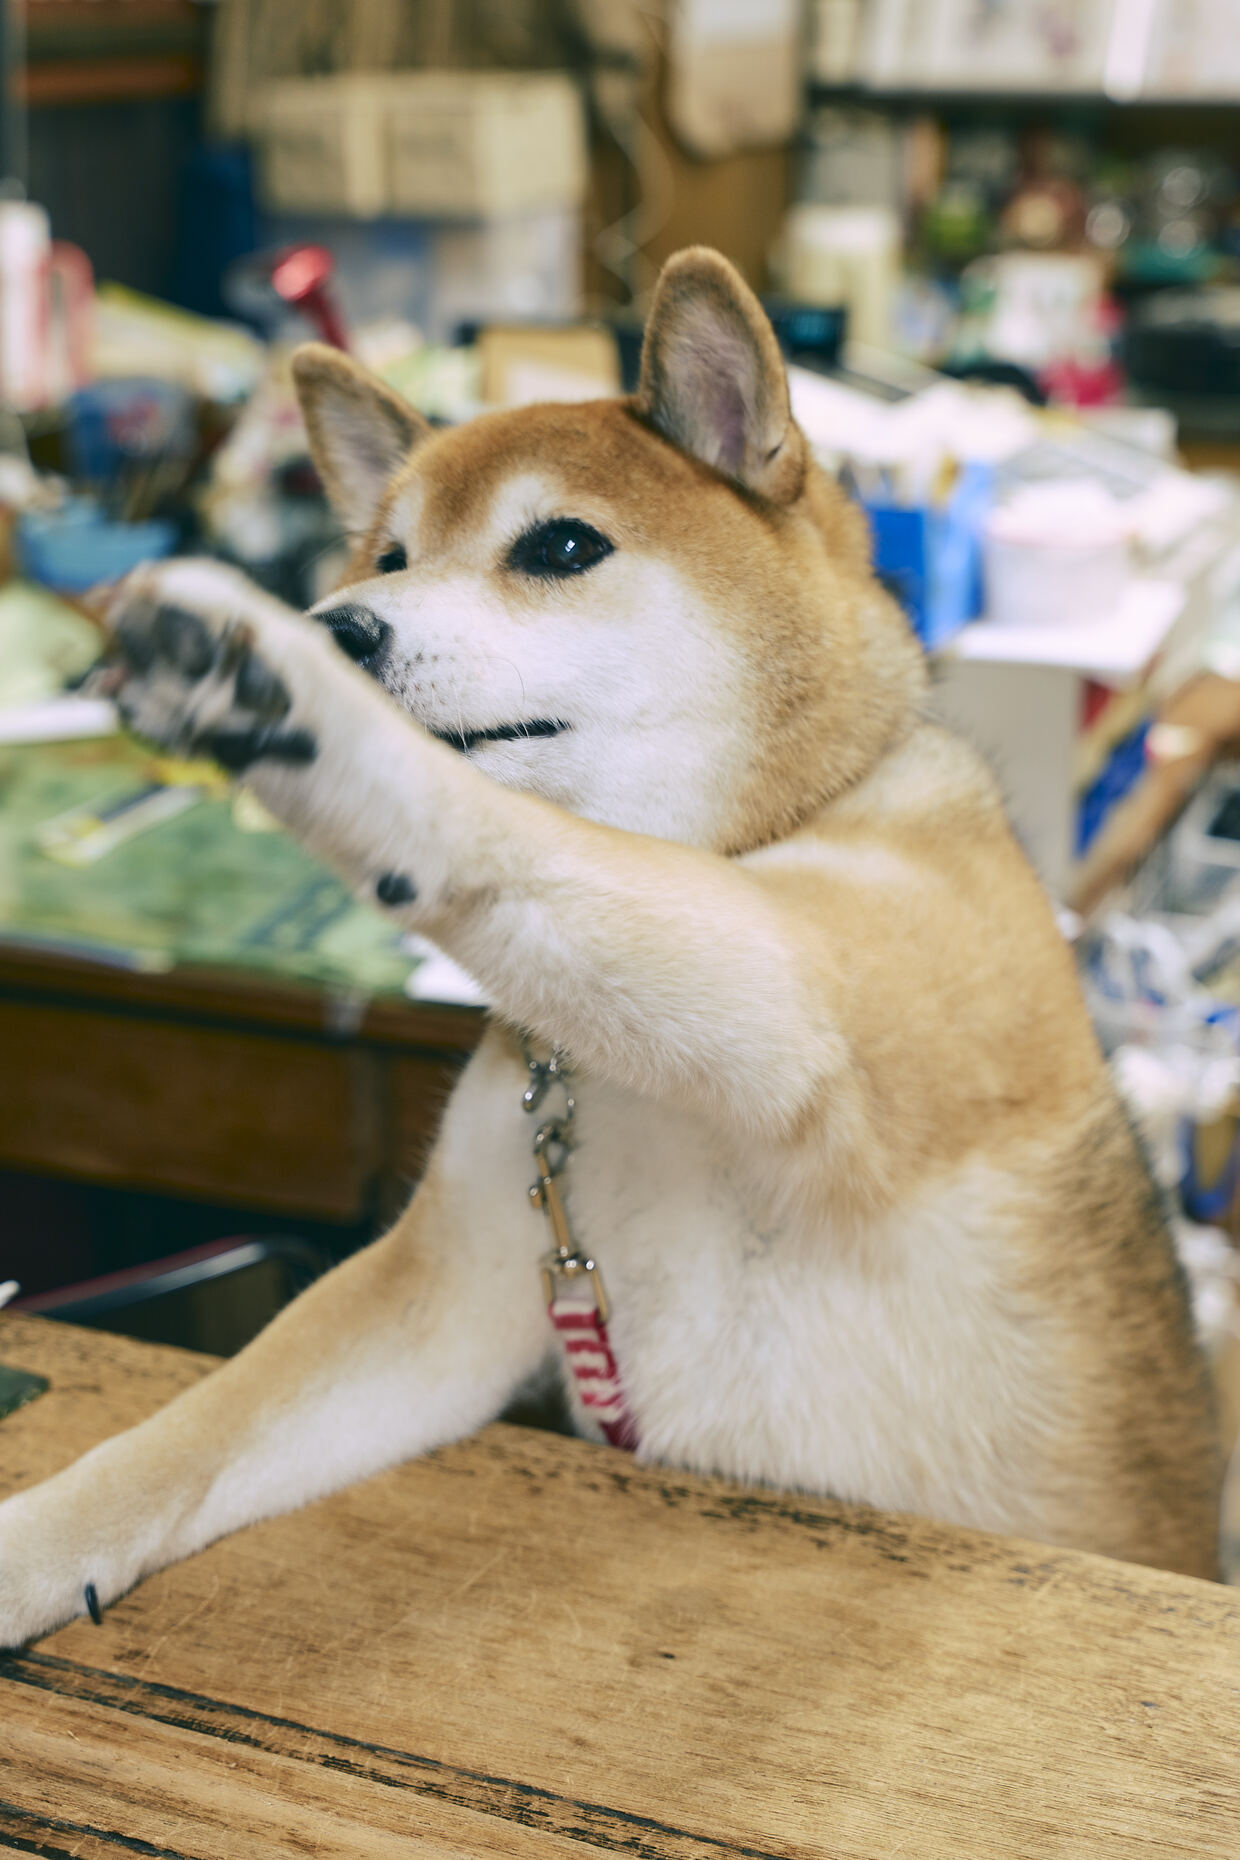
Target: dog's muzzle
(357, 632)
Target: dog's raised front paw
(193, 665)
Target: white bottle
(25, 304)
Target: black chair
(198, 1299)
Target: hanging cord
(572, 1283)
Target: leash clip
(544, 1073)
(561, 1264)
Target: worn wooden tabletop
(526, 1645)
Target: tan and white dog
(872, 1221)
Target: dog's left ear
(713, 379)
(360, 432)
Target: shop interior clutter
(999, 245)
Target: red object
(1094, 700)
(1071, 383)
(587, 1345)
(129, 1278)
(301, 276)
(71, 271)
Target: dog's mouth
(465, 740)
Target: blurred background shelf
(127, 79)
(112, 51)
(912, 96)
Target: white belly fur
(786, 1356)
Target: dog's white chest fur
(884, 1366)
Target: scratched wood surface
(525, 1645)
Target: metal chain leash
(553, 1141)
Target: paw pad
(184, 641)
(258, 689)
(201, 690)
(395, 888)
(236, 749)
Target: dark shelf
(112, 51)
(943, 98)
(110, 80)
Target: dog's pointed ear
(360, 432)
(713, 379)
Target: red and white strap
(582, 1329)
(572, 1283)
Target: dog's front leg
(414, 1342)
(668, 969)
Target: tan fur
(835, 670)
(871, 1217)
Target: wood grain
(524, 1645)
(218, 1108)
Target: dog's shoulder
(930, 776)
(915, 911)
(928, 809)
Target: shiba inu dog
(611, 707)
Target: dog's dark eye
(564, 547)
(392, 560)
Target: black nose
(357, 632)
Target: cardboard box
(428, 144)
(462, 143)
(322, 145)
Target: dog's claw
(92, 1604)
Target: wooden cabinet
(220, 1086)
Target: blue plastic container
(76, 547)
(931, 557)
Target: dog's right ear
(360, 432)
(713, 379)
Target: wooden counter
(527, 1646)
